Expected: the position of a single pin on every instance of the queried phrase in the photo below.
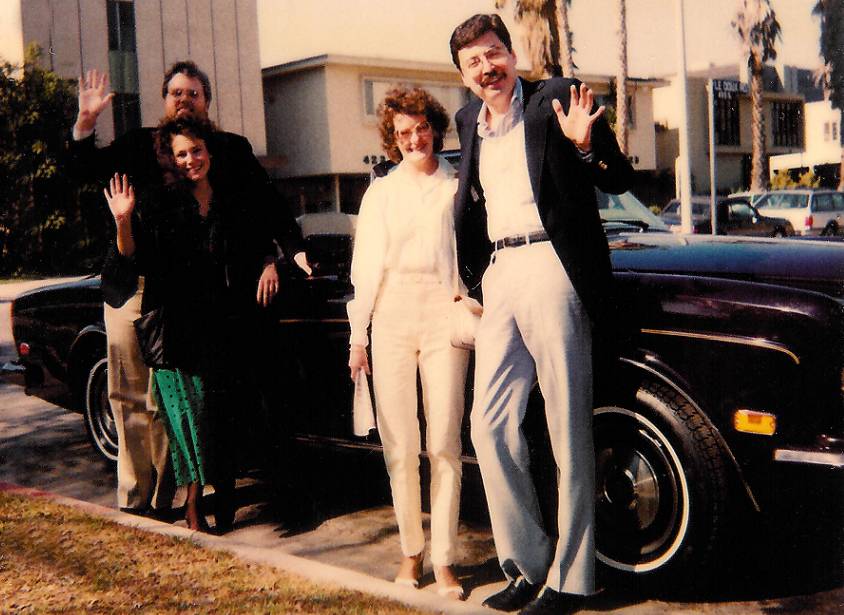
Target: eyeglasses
(422, 129)
(178, 93)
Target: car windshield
(784, 200)
(628, 209)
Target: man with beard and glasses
(527, 225)
(144, 478)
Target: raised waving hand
(93, 98)
(577, 124)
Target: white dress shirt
(510, 206)
(405, 226)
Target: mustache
(491, 76)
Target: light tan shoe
(447, 584)
(410, 571)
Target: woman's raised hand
(121, 197)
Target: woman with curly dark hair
(201, 255)
(404, 274)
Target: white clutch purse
(463, 323)
(363, 414)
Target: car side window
(822, 202)
(838, 201)
(740, 211)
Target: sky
(419, 30)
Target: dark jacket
(563, 186)
(203, 272)
(235, 170)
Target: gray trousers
(144, 476)
(534, 327)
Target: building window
(834, 131)
(452, 97)
(727, 130)
(788, 123)
(123, 65)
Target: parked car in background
(751, 196)
(728, 383)
(736, 216)
(811, 212)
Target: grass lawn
(54, 559)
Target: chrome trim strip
(376, 448)
(811, 457)
(729, 339)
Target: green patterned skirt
(182, 397)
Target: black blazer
(563, 187)
(204, 273)
(234, 169)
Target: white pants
(534, 326)
(144, 476)
(410, 330)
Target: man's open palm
(93, 98)
(577, 124)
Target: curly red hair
(410, 101)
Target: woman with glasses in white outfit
(404, 274)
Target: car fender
(89, 344)
(651, 367)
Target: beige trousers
(144, 476)
(534, 327)
(410, 331)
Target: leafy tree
(782, 179)
(831, 13)
(757, 27)
(42, 226)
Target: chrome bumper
(833, 459)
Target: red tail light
(23, 349)
(808, 222)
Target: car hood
(810, 265)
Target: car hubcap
(642, 497)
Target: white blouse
(405, 225)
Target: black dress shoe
(514, 596)
(550, 602)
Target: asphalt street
(44, 446)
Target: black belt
(519, 240)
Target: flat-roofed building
(322, 135)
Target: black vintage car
(733, 379)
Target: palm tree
(538, 21)
(758, 29)
(546, 35)
(831, 13)
(564, 37)
(621, 123)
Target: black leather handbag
(150, 330)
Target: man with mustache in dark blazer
(528, 226)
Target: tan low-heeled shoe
(447, 584)
(410, 571)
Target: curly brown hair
(410, 101)
(195, 128)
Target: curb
(309, 569)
